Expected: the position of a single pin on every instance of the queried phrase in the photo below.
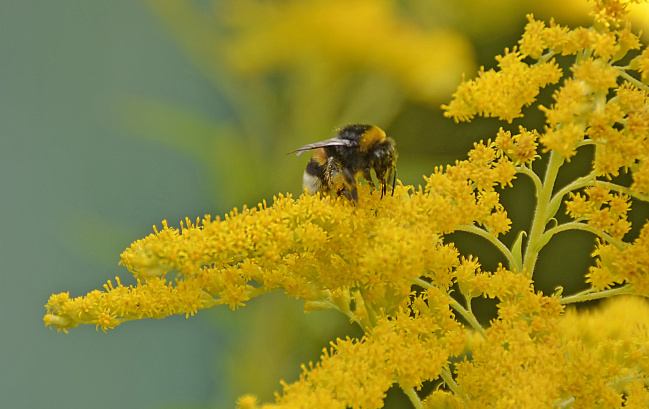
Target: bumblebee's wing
(322, 144)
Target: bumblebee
(337, 162)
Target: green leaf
(517, 252)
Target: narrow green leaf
(517, 252)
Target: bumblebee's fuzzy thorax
(357, 149)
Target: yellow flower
(570, 99)
(387, 265)
(534, 42)
(596, 73)
(610, 334)
(626, 264)
(641, 63)
(564, 140)
(498, 222)
(599, 195)
(637, 396)
(502, 94)
(601, 277)
(520, 148)
(441, 399)
(641, 177)
(247, 402)
(358, 34)
(604, 211)
(525, 144)
(611, 12)
(529, 361)
(303, 246)
(504, 173)
(411, 347)
(578, 206)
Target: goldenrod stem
(590, 294)
(414, 398)
(544, 198)
(493, 239)
(468, 315)
(538, 185)
(452, 385)
(579, 226)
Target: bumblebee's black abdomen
(316, 169)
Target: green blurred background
(117, 115)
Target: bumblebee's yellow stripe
(371, 137)
(320, 157)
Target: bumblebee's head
(384, 162)
(379, 152)
(375, 150)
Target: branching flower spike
(388, 265)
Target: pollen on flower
(297, 33)
(641, 177)
(520, 148)
(577, 206)
(504, 173)
(641, 63)
(597, 73)
(599, 194)
(533, 42)
(247, 402)
(603, 210)
(600, 277)
(564, 139)
(610, 12)
(311, 248)
(622, 265)
(502, 94)
(610, 334)
(498, 222)
(105, 320)
(482, 154)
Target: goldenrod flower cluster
(329, 34)
(320, 249)
(386, 265)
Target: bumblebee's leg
(368, 178)
(333, 176)
(380, 176)
(350, 194)
(349, 189)
(341, 180)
